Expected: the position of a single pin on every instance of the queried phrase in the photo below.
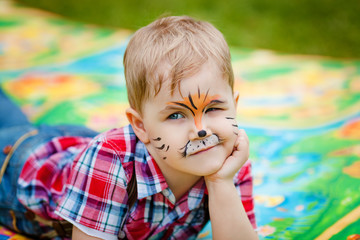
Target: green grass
(322, 27)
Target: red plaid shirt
(96, 197)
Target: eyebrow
(171, 108)
(213, 102)
(185, 106)
(217, 101)
(178, 105)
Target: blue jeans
(13, 125)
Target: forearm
(227, 214)
(77, 234)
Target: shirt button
(7, 149)
(166, 192)
(122, 235)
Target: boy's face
(194, 130)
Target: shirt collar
(196, 194)
(149, 177)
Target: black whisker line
(162, 147)
(235, 125)
(191, 101)
(221, 140)
(236, 133)
(157, 139)
(183, 153)
(184, 146)
(230, 118)
(185, 106)
(167, 149)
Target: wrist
(218, 183)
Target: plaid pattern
(244, 184)
(42, 180)
(96, 195)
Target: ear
(136, 121)
(236, 98)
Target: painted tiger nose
(202, 133)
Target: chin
(212, 164)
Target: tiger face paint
(173, 124)
(197, 104)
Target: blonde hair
(181, 42)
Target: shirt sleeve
(96, 196)
(244, 184)
(92, 232)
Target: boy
(182, 148)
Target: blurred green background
(319, 27)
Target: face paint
(162, 146)
(165, 117)
(197, 104)
(234, 125)
(196, 146)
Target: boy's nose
(202, 133)
(199, 133)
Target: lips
(203, 150)
(201, 145)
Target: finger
(241, 153)
(242, 140)
(237, 159)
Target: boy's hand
(228, 217)
(234, 162)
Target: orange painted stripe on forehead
(197, 103)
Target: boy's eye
(211, 109)
(175, 116)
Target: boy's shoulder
(120, 140)
(118, 134)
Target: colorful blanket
(302, 115)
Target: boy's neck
(178, 182)
(180, 185)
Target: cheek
(225, 128)
(173, 142)
(177, 140)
